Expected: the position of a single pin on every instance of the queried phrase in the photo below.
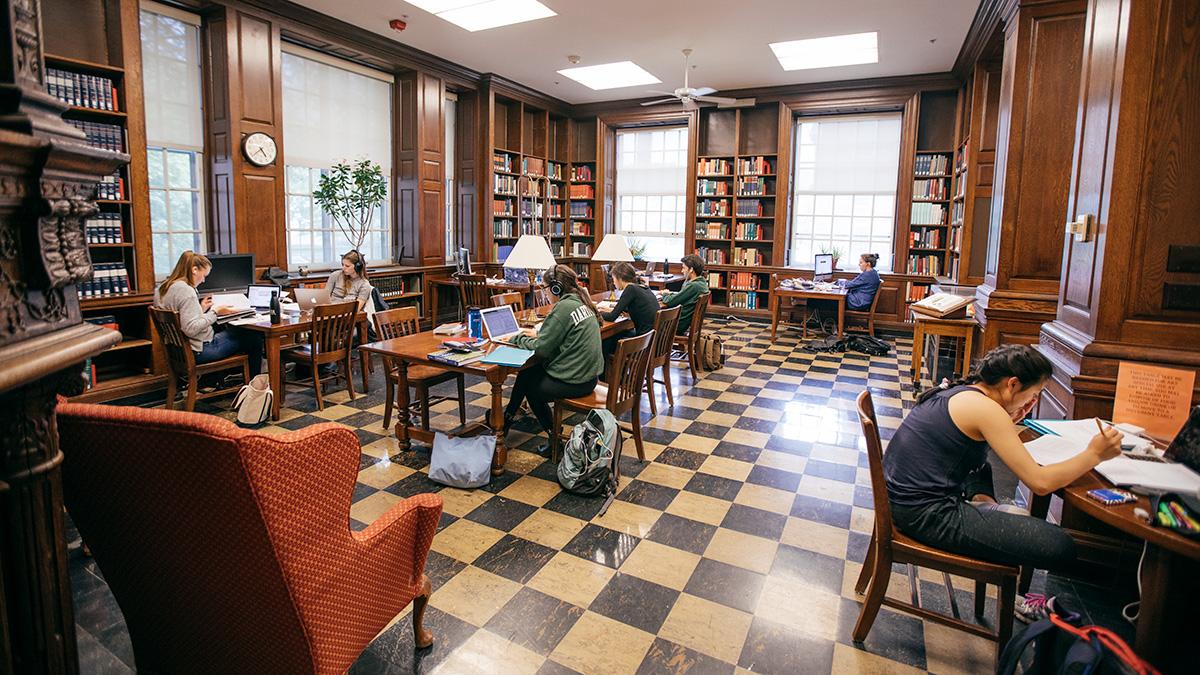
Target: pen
(1181, 515)
(1164, 510)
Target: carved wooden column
(1039, 91)
(419, 127)
(47, 188)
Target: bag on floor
(711, 352)
(1062, 646)
(589, 460)
(462, 462)
(868, 345)
(253, 401)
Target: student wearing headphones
(636, 300)
(694, 285)
(568, 348)
(350, 282)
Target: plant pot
(835, 263)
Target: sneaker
(1032, 607)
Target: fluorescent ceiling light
(610, 75)
(475, 15)
(835, 50)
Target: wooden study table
(292, 324)
(501, 287)
(835, 294)
(415, 349)
(925, 325)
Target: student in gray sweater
(198, 317)
(350, 282)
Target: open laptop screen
(500, 322)
(260, 295)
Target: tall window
(333, 111)
(174, 132)
(651, 189)
(844, 188)
(451, 186)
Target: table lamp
(532, 254)
(612, 248)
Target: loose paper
(1154, 398)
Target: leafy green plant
(637, 248)
(350, 193)
(834, 251)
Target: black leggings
(536, 386)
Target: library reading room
(549, 336)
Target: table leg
(497, 423)
(402, 418)
(918, 350)
(364, 357)
(275, 373)
(434, 292)
(841, 315)
(966, 366)
(774, 314)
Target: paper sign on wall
(1154, 398)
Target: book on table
(454, 358)
(943, 306)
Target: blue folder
(508, 356)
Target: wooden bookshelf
(926, 243)
(584, 222)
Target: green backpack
(589, 464)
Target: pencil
(1098, 426)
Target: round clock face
(259, 149)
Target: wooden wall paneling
(981, 167)
(432, 132)
(1137, 172)
(218, 128)
(468, 170)
(783, 181)
(407, 172)
(606, 188)
(1043, 51)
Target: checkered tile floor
(733, 548)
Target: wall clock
(259, 149)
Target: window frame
(682, 219)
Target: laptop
(649, 269)
(308, 298)
(500, 323)
(260, 295)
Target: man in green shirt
(694, 285)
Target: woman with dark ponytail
(939, 480)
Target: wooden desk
(924, 326)
(661, 282)
(502, 287)
(415, 350)
(838, 295)
(293, 324)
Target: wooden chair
(181, 362)
(542, 297)
(473, 291)
(621, 394)
(688, 344)
(331, 340)
(666, 321)
(891, 546)
(514, 298)
(868, 316)
(394, 323)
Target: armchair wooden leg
(666, 373)
(172, 390)
(422, 636)
(389, 400)
(650, 390)
(462, 400)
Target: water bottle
(275, 308)
(474, 323)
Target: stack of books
(85, 91)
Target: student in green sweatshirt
(567, 346)
(694, 285)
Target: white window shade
(651, 189)
(171, 78)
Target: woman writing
(350, 282)
(636, 300)
(197, 317)
(568, 348)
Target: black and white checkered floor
(733, 548)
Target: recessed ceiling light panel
(826, 52)
(610, 75)
(476, 15)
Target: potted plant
(350, 193)
(637, 248)
(834, 251)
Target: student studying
(694, 285)
(636, 300)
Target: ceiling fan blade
(664, 93)
(715, 99)
(661, 101)
(704, 91)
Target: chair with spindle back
(689, 344)
(473, 291)
(513, 298)
(331, 340)
(398, 322)
(666, 322)
(181, 361)
(542, 297)
(620, 393)
(868, 317)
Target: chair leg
(556, 432)
(980, 598)
(172, 390)
(880, 576)
(666, 373)
(650, 390)
(246, 371)
(389, 401)
(421, 635)
(349, 376)
(462, 400)
(189, 403)
(423, 398)
(637, 432)
(864, 576)
(1004, 613)
(950, 594)
(692, 361)
(317, 386)
(914, 585)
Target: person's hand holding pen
(1106, 444)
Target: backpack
(710, 352)
(253, 401)
(1062, 646)
(589, 461)
(868, 345)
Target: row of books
(401, 285)
(956, 238)
(553, 228)
(712, 230)
(503, 207)
(956, 213)
(754, 187)
(953, 271)
(111, 187)
(504, 185)
(960, 158)
(712, 207)
(103, 136)
(960, 188)
(749, 207)
(754, 165)
(929, 188)
(713, 167)
(713, 256)
(502, 162)
(108, 279)
(716, 280)
(533, 165)
(581, 270)
(705, 186)
(925, 238)
(747, 300)
(581, 210)
(556, 249)
(745, 281)
(928, 214)
(748, 256)
(554, 170)
(86, 91)
(89, 374)
(532, 209)
(935, 165)
(925, 264)
(581, 249)
(583, 192)
(917, 292)
(104, 228)
(554, 191)
(581, 229)
(581, 172)
(750, 232)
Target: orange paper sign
(1156, 399)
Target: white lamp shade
(531, 253)
(613, 248)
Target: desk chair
(473, 291)
(688, 345)
(666, 322)
(331, 340)
(394, 323)
(513, 298)
(888, 546)
(620, 393)
(542, 297)
(868, 316)
(181, 362)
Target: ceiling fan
(689, 96)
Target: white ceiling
(730, 39)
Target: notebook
(508, 356)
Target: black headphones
(556, 285)
(358, 264)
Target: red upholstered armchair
(230, 550)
